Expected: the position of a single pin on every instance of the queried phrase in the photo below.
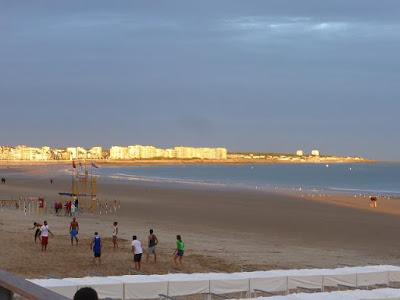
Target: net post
(287, 285)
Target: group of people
(42, 232)
(71, 208)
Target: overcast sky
(271, 76)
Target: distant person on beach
(60, 207)
(374, 201)
(44, 233)
(57, 207)
(51, 181)
(115, 235)
(115, 206)
(37, 231)
(153, 241)
(73, 230)
(86, 293)
(68, 208)
(73, 209)
(96, 247)
(137, 252)
(76, 202)
(180, 250)
(3, 180)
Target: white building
(299, 152)
(73, 153)
(117, 152)
(315, 152)
(95, 153)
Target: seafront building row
(114, 153)
(146, 152)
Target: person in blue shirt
(96, 247)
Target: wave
(128, 177)
(374, 191)
(271, 187)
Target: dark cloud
(260, 75)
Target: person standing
(152, 243)
(96, 247)
(44, 233)
(76, 202)
(68, 208)
(180, 250)
(73, 230)
(73, 211)
(137, 252)
(115, 235)
(374, 201)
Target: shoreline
(55, 171)
(176, 162)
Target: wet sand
(231, 228)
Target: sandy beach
(224, 229)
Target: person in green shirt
(180, 250)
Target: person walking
(137, 252)
(73, 230)
(44, 233)
(152, 243)
(179, 251)
(115, 235)
(96, 247)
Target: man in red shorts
(44, 233)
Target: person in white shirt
(44, 233)
(137, 252)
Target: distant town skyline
(262, 76)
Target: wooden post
(287, 285)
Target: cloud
(283, 25)
(259, 27)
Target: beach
(224, 229)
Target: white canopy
(150, 286)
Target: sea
(372, 178)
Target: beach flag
(95, 166)
(73, 164)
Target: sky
(271, 76)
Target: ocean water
(379, 178)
